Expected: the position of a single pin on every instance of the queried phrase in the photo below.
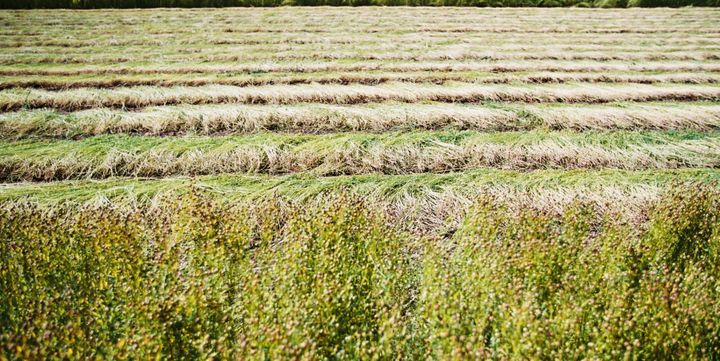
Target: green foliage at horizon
(336, 280)
(125, 4)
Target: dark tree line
(101, 4)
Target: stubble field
(360, 183)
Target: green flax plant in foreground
(541, 286)
(195, 278)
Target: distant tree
(99, 4)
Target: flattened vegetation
(271, 92)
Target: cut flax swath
(603, 43)
(351, 94)
(352, 158)
(228, 119)
(368, 45)
(447, 66)
(291, 55)
(365, 79)
(630, 117)
(327, 118)
(426, 211)
(430, 211)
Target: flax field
(367, 183)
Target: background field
(360, 183)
